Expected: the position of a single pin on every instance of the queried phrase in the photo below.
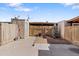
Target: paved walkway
(60, 50)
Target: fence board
(9, 32)
(35, 30)
(72, 34)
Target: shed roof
(74, 20)
(42, 23)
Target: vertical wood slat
(8, 32)
(34, 30)
(72, 34)
(68, 33)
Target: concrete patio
(22, 47)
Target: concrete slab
(42, 46)
(18, 48)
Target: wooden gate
(8, 32)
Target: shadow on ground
(60, 50)
(75, 50)
(44, 53)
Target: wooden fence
(35, 30)
(72, 34)
(8, 33)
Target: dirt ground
(40, 40)
(51, 40)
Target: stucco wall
(26, 33)
(61, 30)
(0, 33)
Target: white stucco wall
(61, 26)
(26, 29)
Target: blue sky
(39, 12)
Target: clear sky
(39, 12)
